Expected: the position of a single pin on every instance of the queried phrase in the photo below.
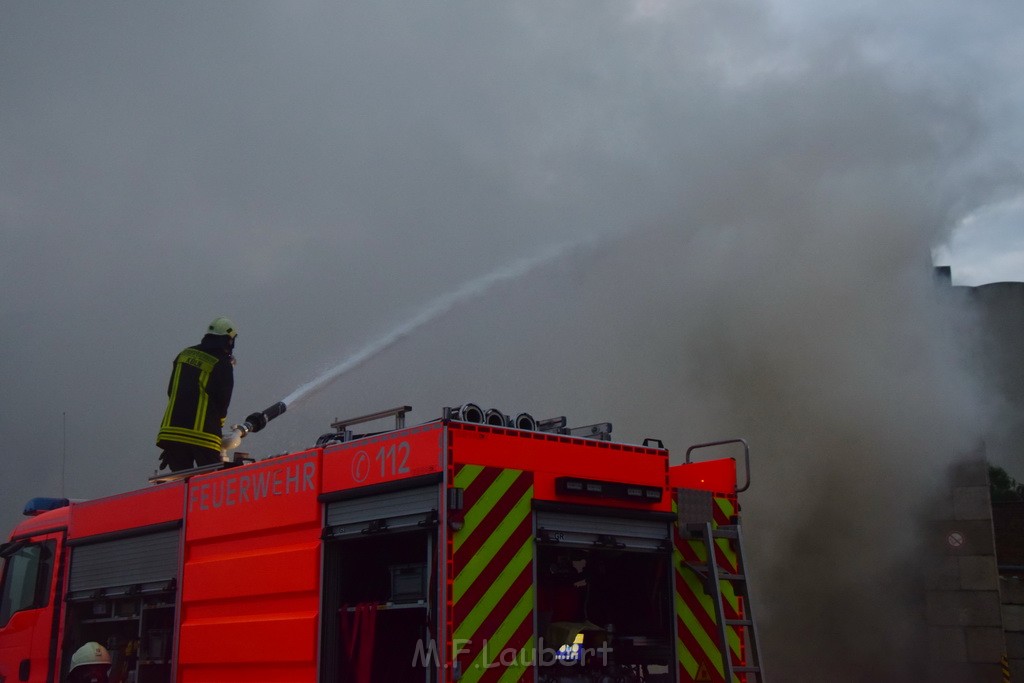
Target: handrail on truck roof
(746, 457)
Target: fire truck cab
(454, 550)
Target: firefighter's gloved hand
(257, 420)
(163, 462)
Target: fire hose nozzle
(255, 422)
(258, 421)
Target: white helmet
(222, 326)
(90, 653)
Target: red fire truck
(469, 548)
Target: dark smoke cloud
(764, 183)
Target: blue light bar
(38, 506)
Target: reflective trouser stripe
(189, 436)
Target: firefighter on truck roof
(199, 393)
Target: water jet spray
(431, 311)
(253, 423)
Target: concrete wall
(996, 338)
(963, 608)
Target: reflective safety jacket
(199, 393)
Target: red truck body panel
(115, 514)
(250, 586)
(448, 532)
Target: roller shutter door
(394, 511)
(591, 531)
(146, 559)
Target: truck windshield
(26, 579)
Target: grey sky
(756, 189)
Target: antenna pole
(64, 449)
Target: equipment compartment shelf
(136, 629)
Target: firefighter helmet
(90, 653)
(222, 326)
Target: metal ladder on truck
(713, 576)
(741, 586)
